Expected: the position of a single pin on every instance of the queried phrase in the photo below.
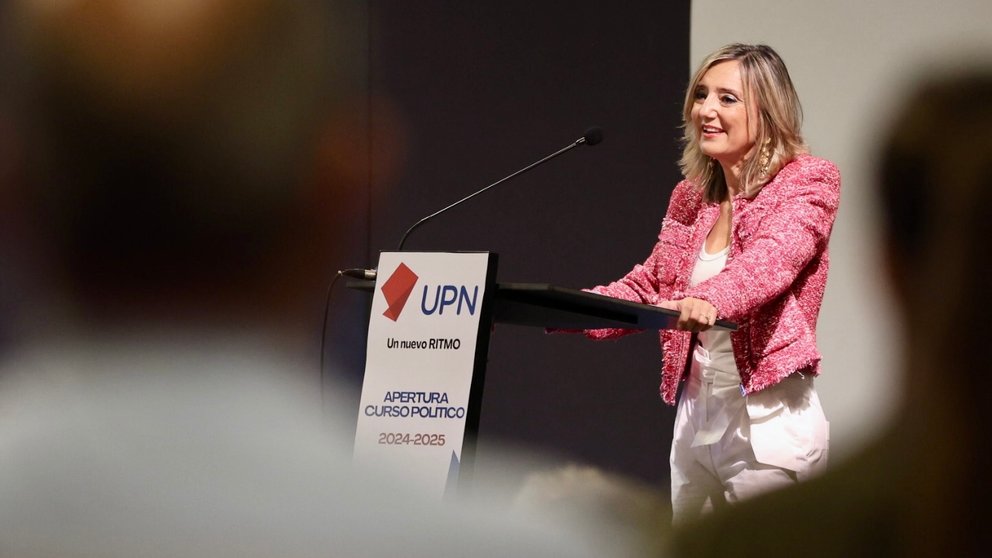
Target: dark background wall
(461, 94)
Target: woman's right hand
(695, 314)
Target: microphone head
(593, 135)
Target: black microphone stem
(579, 141)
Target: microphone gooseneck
(591, 137)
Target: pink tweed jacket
(772, 285)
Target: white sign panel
(423, 331)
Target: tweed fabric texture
(772, 285)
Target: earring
(766, 156)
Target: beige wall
(851, 62)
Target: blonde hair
(769, 91)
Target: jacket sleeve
(787, 239)
(645, 282)
(639, 285)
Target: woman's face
(726, 133)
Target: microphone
(591, 137)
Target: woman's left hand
(694, 314)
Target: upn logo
(397, 290)
(450, 295)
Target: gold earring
(766, 156)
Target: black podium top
(542, 305)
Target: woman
(744, 239)
(920, 488)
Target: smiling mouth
(711, 130)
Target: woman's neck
(731, 175)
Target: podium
(425, 369)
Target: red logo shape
(397, 290)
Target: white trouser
(728, 447)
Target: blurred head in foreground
(176, 153)
(935, 192)
(611, 505)
(184, 165)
